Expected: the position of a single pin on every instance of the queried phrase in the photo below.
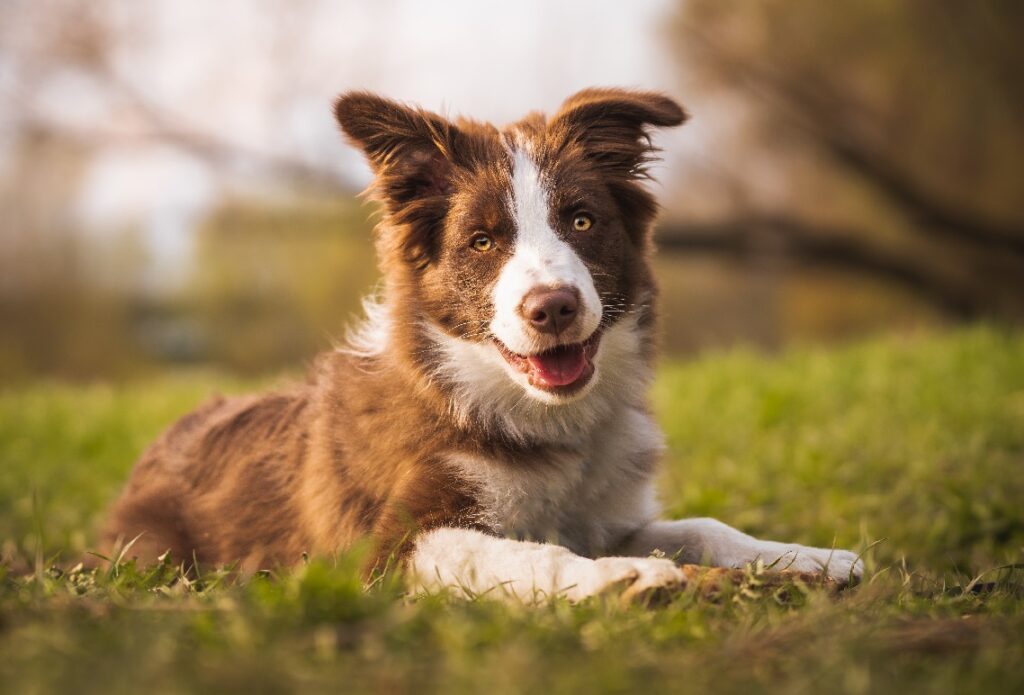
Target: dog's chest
(585, 496)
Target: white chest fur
(586, 498)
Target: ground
(908, 448)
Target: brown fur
(358, 450)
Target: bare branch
(929, 213)
(835, 247)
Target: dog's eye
(582, 222)
(482, 242)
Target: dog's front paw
(636, 578)
(841, 565)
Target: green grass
(915, 444)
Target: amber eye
(482, 242)
(582, 222)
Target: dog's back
(262, 480)
(220, 483)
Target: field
(908, 448)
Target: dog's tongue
(559, 367)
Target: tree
(897, 126)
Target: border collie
(487, 425)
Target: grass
(913, 446)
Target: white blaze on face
(540, 259)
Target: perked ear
(412, 153)
(613, 126)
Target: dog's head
(516, 252)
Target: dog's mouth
(563, 369)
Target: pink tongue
(559, 367)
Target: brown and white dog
(487, 424)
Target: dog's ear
(613, 126)
(413, 154)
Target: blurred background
(174, 191)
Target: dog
(486, 426)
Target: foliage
(275, 282)
(270, 282)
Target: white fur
(487, 390)
(370, 336)
(711, 541)
(477, 563)
(480, 564)
(587, 496)
(540, 259)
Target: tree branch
(817, 109)
(929, 213)
(835, 247)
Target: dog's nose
(550, 310)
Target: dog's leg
(710, 541)
(477, 563)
